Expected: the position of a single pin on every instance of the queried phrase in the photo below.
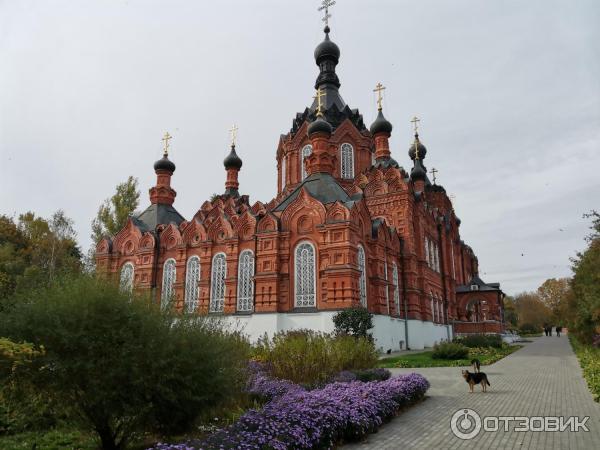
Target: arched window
(169, 274)
(306, 151)
(396, 288)
(283, 168)
(362, 280)
(387, 288)
(347, 158)
(217, 283)
(431, 255)
(126, 280)
(436, 257)
(245, 301)
(305, 279)
(192, 277)
(427, 250)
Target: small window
(126, 281)
(192, 277)
(362, 281)
(217, 283)
(306, 151)
(283, 168)
(169, 274)
(347, 159)
(305, 278)
(245, 301)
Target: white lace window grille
(427, 251)
(431, 255)
(217, 283)
(362, 281)
(347, 157)
(305, 275)
(432, 308)
(245, 301)
(192, 277)
(396, 288)
(387, 288)
(126, 280)
(169, 274)
(283, 168)
(306, 151)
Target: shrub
(320, 418)
(529, 328)
(449, 350)
(313, 358)
(121, 363)
(480, 340)
(353, 321)
(589, 359)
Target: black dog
(476, 378)
(476, 365)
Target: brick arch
(194, 233)
(170, 237)
(268, 223)
(337, 212)
(130, 235)
(245, 227)
(219, 229)
(303, 204)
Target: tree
(113, 213)
(531, 311)
(34, 250)
(553, 293)
(584, 304)
(353, 321)
(119, 363)
(511, 318)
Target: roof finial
(320, 93)
(379, 88)
(166, 139)
(415, 121)
(326, 4)
(233, 132)
(433, 171)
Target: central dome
(327, 49)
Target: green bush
(449, 350)
(589, 359)
(480, 340)
(119, 362)
(312, 358)
(529, 328)
(353, 321)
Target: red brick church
(349, 226)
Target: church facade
(349, 227)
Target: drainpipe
(443, 271)
(404, 292)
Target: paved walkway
(541, 379)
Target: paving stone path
(541, 379)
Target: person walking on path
(558, 330)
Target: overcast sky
(508, 93)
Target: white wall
(387, 331)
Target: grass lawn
(484, 355)
(589, 360)
(49, 440)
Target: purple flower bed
(300, 419)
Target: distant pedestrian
(558, 330)
(546, 330)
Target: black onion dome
(232, 161)
(418, 172)
(381, 125)
(319, 125)
(165, 163)
(421, 147)
(327, 49)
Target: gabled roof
(157, 214)
(481, 285)
(322, 187)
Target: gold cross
(320, 93)
(433, 172)
(233, 131)
(379, 88)
(416, 144)
(415, 120)
(326, 4)
(166, 139)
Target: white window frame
(245, 290)
(218, 286)
(126, 277)
(362, 280)
(192, 278)
(347, 161)
(168, 280)
(305, 300)
(432, 307)
(306, 151)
